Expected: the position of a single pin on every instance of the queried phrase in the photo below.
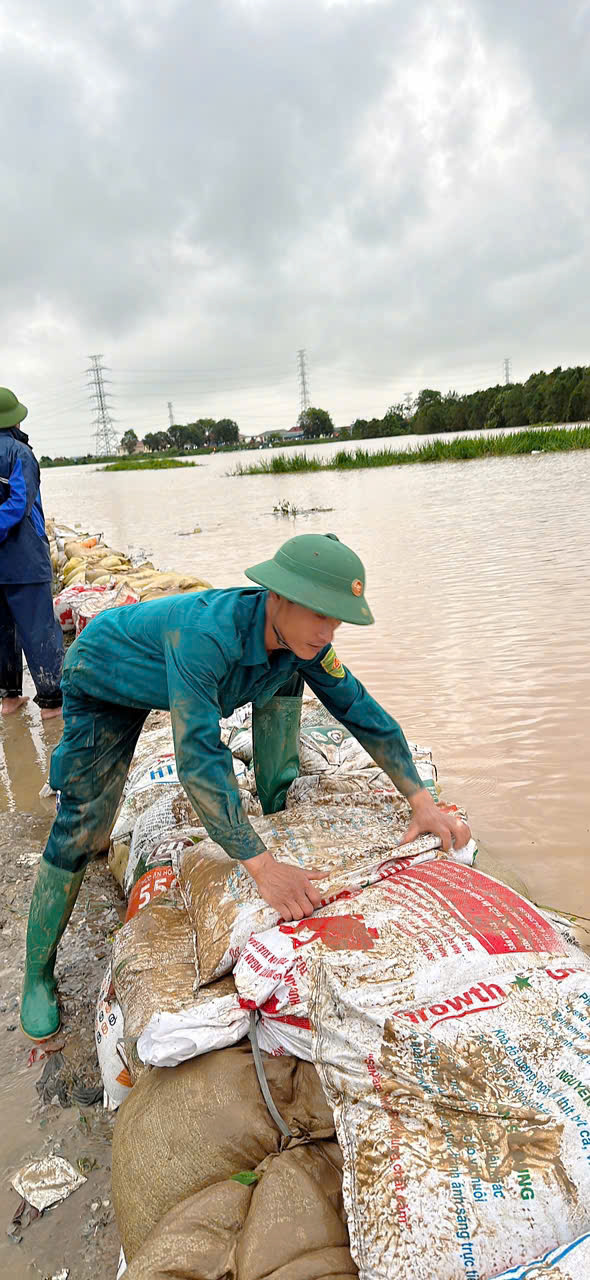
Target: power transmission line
(105, 438)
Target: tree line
(560, 396)
(205, 433)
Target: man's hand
(430, 818)
(287, 889)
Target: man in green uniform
(202, 656)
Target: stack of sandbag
(449, 1022)
(284, 1221)
(155, 824)
(165, 957)
(57, 536)
(202, 1180)
(93, 577)
(157, 837)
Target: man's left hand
(430, 819)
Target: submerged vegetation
(464, 448)
(146, 464)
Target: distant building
(293, 433)
(140, 447)
(273, 433)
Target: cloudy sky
(199, 188)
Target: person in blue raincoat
(202, 655)
(26, 605)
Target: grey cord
(262, 1080)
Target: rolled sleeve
(195, 665)
(347, 699)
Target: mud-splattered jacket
(202, 656)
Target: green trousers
(88, 770)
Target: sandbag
(98, 600)
(275, 970)
(153, 968)
(329, 748)
(166, 1018)
(212, 1018)
(109, 1035)
(183, 1130)
(289, 1225)
(154, 803)
(367, 787)
(456, 1052)
(323, 747)
(151, 848)
(66, 601)
(351, 844)
(150, 780)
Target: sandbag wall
(446, 1017)
(90, 576)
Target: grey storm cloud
(192, 184)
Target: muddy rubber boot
(275, 738)
(54, 895)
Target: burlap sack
(289, 1226)
(153, 968)
(183, 1129)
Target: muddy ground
(77, 1238)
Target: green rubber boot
(275, 738)
(54, 895)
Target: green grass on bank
(146, 464)
(548, 440)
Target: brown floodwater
(478, 574)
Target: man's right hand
(286, 888)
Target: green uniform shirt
(201, 656)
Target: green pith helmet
(11, 411)
(319, 572)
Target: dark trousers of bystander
(27, 623)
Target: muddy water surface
(478, 576)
